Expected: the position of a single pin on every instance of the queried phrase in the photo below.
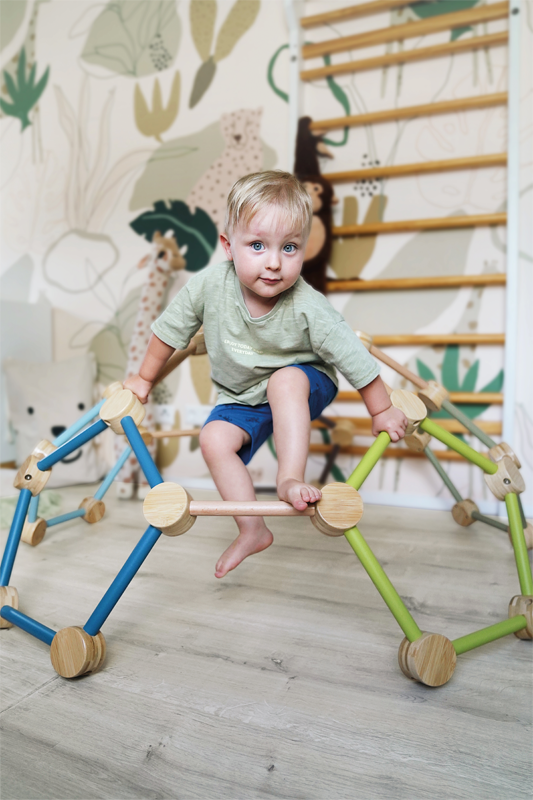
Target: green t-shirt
(244, 351)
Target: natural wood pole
(352, 12)
(408, 30)
(390, 452)
(395, 284)
(257, 508)
(440, 339)
(410, 225)
(173, 433)
(196, 347)
(410, 112)
(363, 426)
(406, 56)
(469, 398)
(420, 168)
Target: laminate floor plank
(279, 681)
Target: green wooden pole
(432, 458)
(383, 584)
(490, 634)
(489, 521)
(460, 447)
(467, 422)
(369, 460)
(519, 544)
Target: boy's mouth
(270, 281)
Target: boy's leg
(220, 442)
(288, 396)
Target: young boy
(273, 343)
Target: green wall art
(23, 90)
(158, 119)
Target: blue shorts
(257, 420)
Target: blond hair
(251, 194)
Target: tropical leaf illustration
(451, 382)
(240, 19)
(197, 230)
(435, 9)
(134, 37)
(159, 119)
(24, 92)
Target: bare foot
(246, 543)
(298, 494)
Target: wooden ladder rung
(406, 56)
(390, 452)
(408, 30)
(410, 112)
(438, 339)
(394, 284)
(352, 12)
(468, 398)
(408, 225)
(363, 425)
(402, 170)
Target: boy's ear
(225, 242)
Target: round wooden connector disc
(433, 395)
(528, 535)
(338, 510)
(507, 480)
(8, 597)
(522, 604)
(462, 512)
(33, 532)
(166, 507)
(343, 433)
(74, 652)
(413, 408)
(499, 451)
(110, 390)
(122, 403)
(417, 441)
(94, 509)
(29, 475)
(430, 660)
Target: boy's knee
(220, 438)
(288, 379)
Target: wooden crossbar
(257, 508)
(394, 284)
(438, 223)
(363, 425)
(352, 12)
(439, 339)
(390, 452)
(469, 398)
(407, 56)
(409, 30)
(410, 112)
(401, 170)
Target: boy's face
(268, 255)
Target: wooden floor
(279, 681)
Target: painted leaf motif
(202, 81)
(424, 371)
(241, 17)
(470, 379)
(450, 368)
(203, 14)
(197, 230)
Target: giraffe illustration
(163, 259)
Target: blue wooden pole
(28, 624)
(13, 538)
(69, 447)
(141, 451)
(110, 477)
(34, 508)
(79, 512)
(122, 581)
(79, 425)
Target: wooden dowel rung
(402, 170)
(258, 508)
(410, 112)
(439, 340)
(441, 282)
(363, 425)
(352, 12)
(469, 398)
(411, 225)
(407, 56)
(390, 452)
(408, 30)
(173, 433)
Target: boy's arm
(157, 355)
(384, 416)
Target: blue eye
(257, 246)
(289, 248)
